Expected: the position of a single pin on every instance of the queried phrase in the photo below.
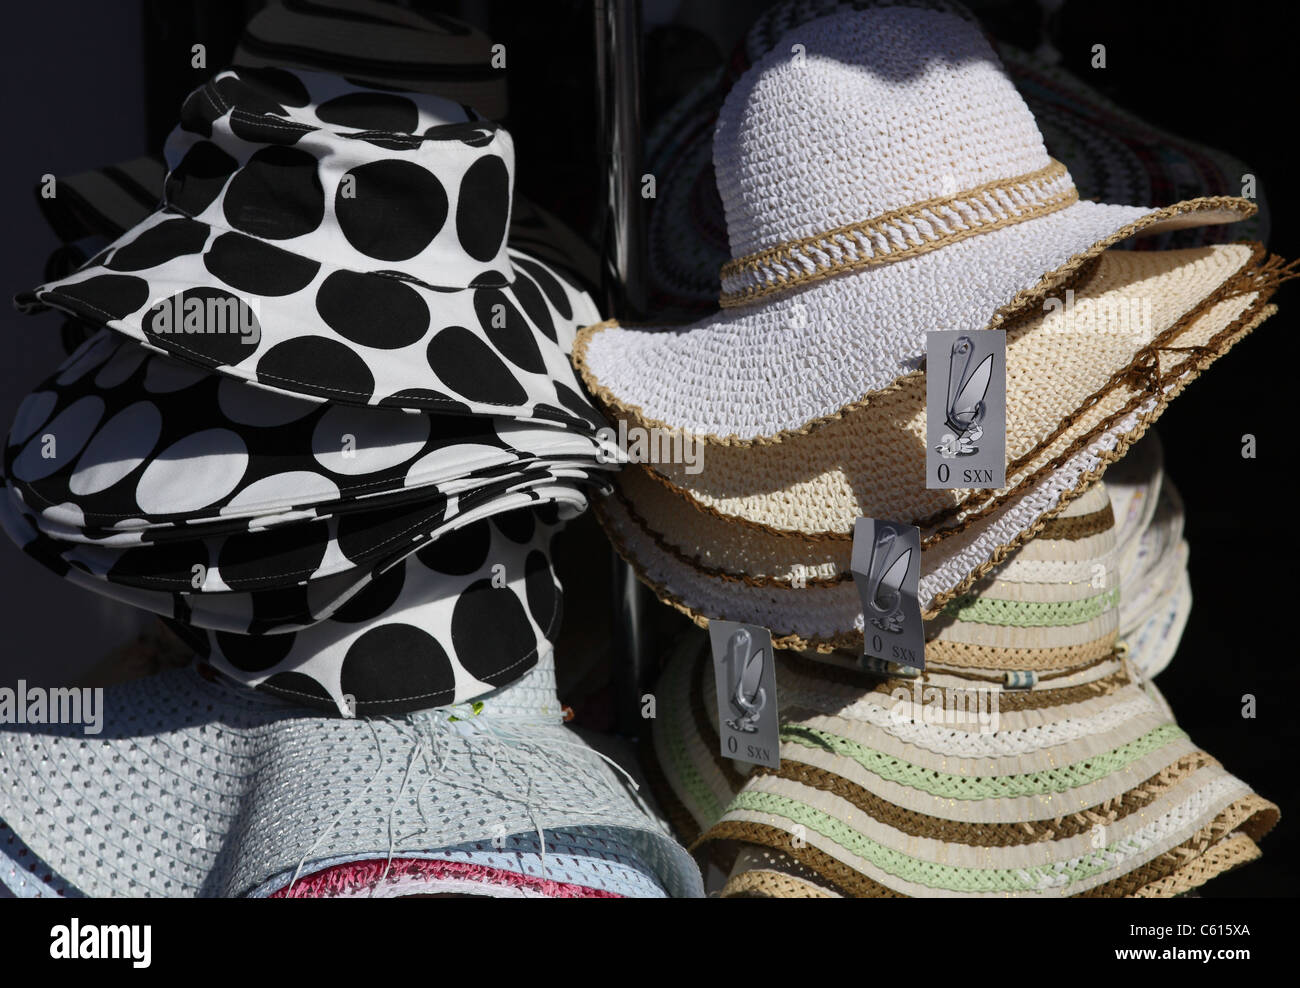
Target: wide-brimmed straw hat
(1027, 759)
(763, 533)
(193, 787)
(1113, 156)
(881, 178)
(331, 241)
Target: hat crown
(404, 183)
(857, 114)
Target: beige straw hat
(1028, 759)
(763, 534)
(881, 178)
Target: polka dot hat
(326, 240)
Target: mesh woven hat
(763, 533)
(1113, 156)
(1027, 759)
(881, 177)
(194, 788)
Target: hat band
(899, 234)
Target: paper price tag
(887, 571)
(966, 409)
(745, 674)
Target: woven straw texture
(195, 788)
(1114, 157)
(889, 121)
(709, 566)
(1083, 785)
(871, 461)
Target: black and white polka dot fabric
(457, 619)
(320, 239)
(122, 443)
(261, 606)
(327, 426)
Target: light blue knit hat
(194, 787)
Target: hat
(1113, 156)
(329, 241)
(763, 533)
(195, 788)
(330, 552)
(1027, 759)
(881, 177)
(380, 45)
(149, 444)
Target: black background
(79, 75)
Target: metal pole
(618, 89)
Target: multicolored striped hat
(1026, 760)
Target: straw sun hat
(881, 178)
(1027, 759)
(763, 533)
(1113, 157)
(195, 787)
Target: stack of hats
(958, 783)
(322, 375)
(327, 427)
(1113, 155)
(806, 397)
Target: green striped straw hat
(1028, 759)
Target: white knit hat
(881, 178)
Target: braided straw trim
(897, 234)
(1052, 281)
(1033, 699)
(1176, 380)
(1253, 815)
(1233, 851)
(1062, 657)
(916, 824)
(680, 819)
(765, 884)
(1077, 527)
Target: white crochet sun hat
(194, 787)
(881, 178)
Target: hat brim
(430, 631)
(198, 789)
(671, 531)
(827, 614)
(381, 46)
(148, 443)
(1113, 155)
(888, 805)
(281, 607)
(780, 366)
(302, 327)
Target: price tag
(745, 673)
(966, 409)
(887, 571)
